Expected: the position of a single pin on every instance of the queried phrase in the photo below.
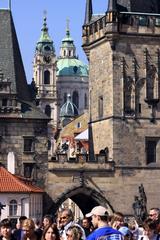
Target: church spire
(67, 29)
(45, 43)
(89, 12)
(44, 31)
(67, 49)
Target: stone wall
(12, 134)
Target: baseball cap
(98, 210)
(124, 230)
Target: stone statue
(140, 205)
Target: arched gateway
(80, 181)
(85, 197)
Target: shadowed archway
(85, 197)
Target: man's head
(99, 216)
(154, 214)
(21, 219)
(47, 220)
(66, 216)
(85, 223)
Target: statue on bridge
(140, 205)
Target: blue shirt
(105, 233)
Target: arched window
(13, 208)
(49, 145)
(46, 77)
(75, 98)
(48, 110)
(85, 101)
(65, 98)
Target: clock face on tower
(47, 59)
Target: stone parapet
(121, 22)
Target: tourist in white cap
(103, 231)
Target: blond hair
(28, 223)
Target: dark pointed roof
(141, 6)
(89, 12)
(10, 57)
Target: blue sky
(28, 19)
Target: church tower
(123, 48)
(72, 75)
(44, 74)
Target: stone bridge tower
(123, 48)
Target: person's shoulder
(91, 236)
(108, 233)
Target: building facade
(20, 197)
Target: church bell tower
(44, 74)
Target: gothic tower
(23, 127)
(123, 48)
(44, 74)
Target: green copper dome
(68, 109)
(71, 67)
(67, 63)
(45, 43)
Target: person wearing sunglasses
(154, 214)
(66, 220)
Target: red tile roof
(11, 183)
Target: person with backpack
(103, 231)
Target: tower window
(85, 101)
(151, 145)
(48, 110)
(75, 98)
(46, 77)
(49, 145)
(29, 170)
(78, 125)
(4, 102)
(28, 144)
(100, 106)
(65, 98)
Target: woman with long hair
(50, 233)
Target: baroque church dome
(71, 67)
(68, 64)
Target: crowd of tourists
(96, 225)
